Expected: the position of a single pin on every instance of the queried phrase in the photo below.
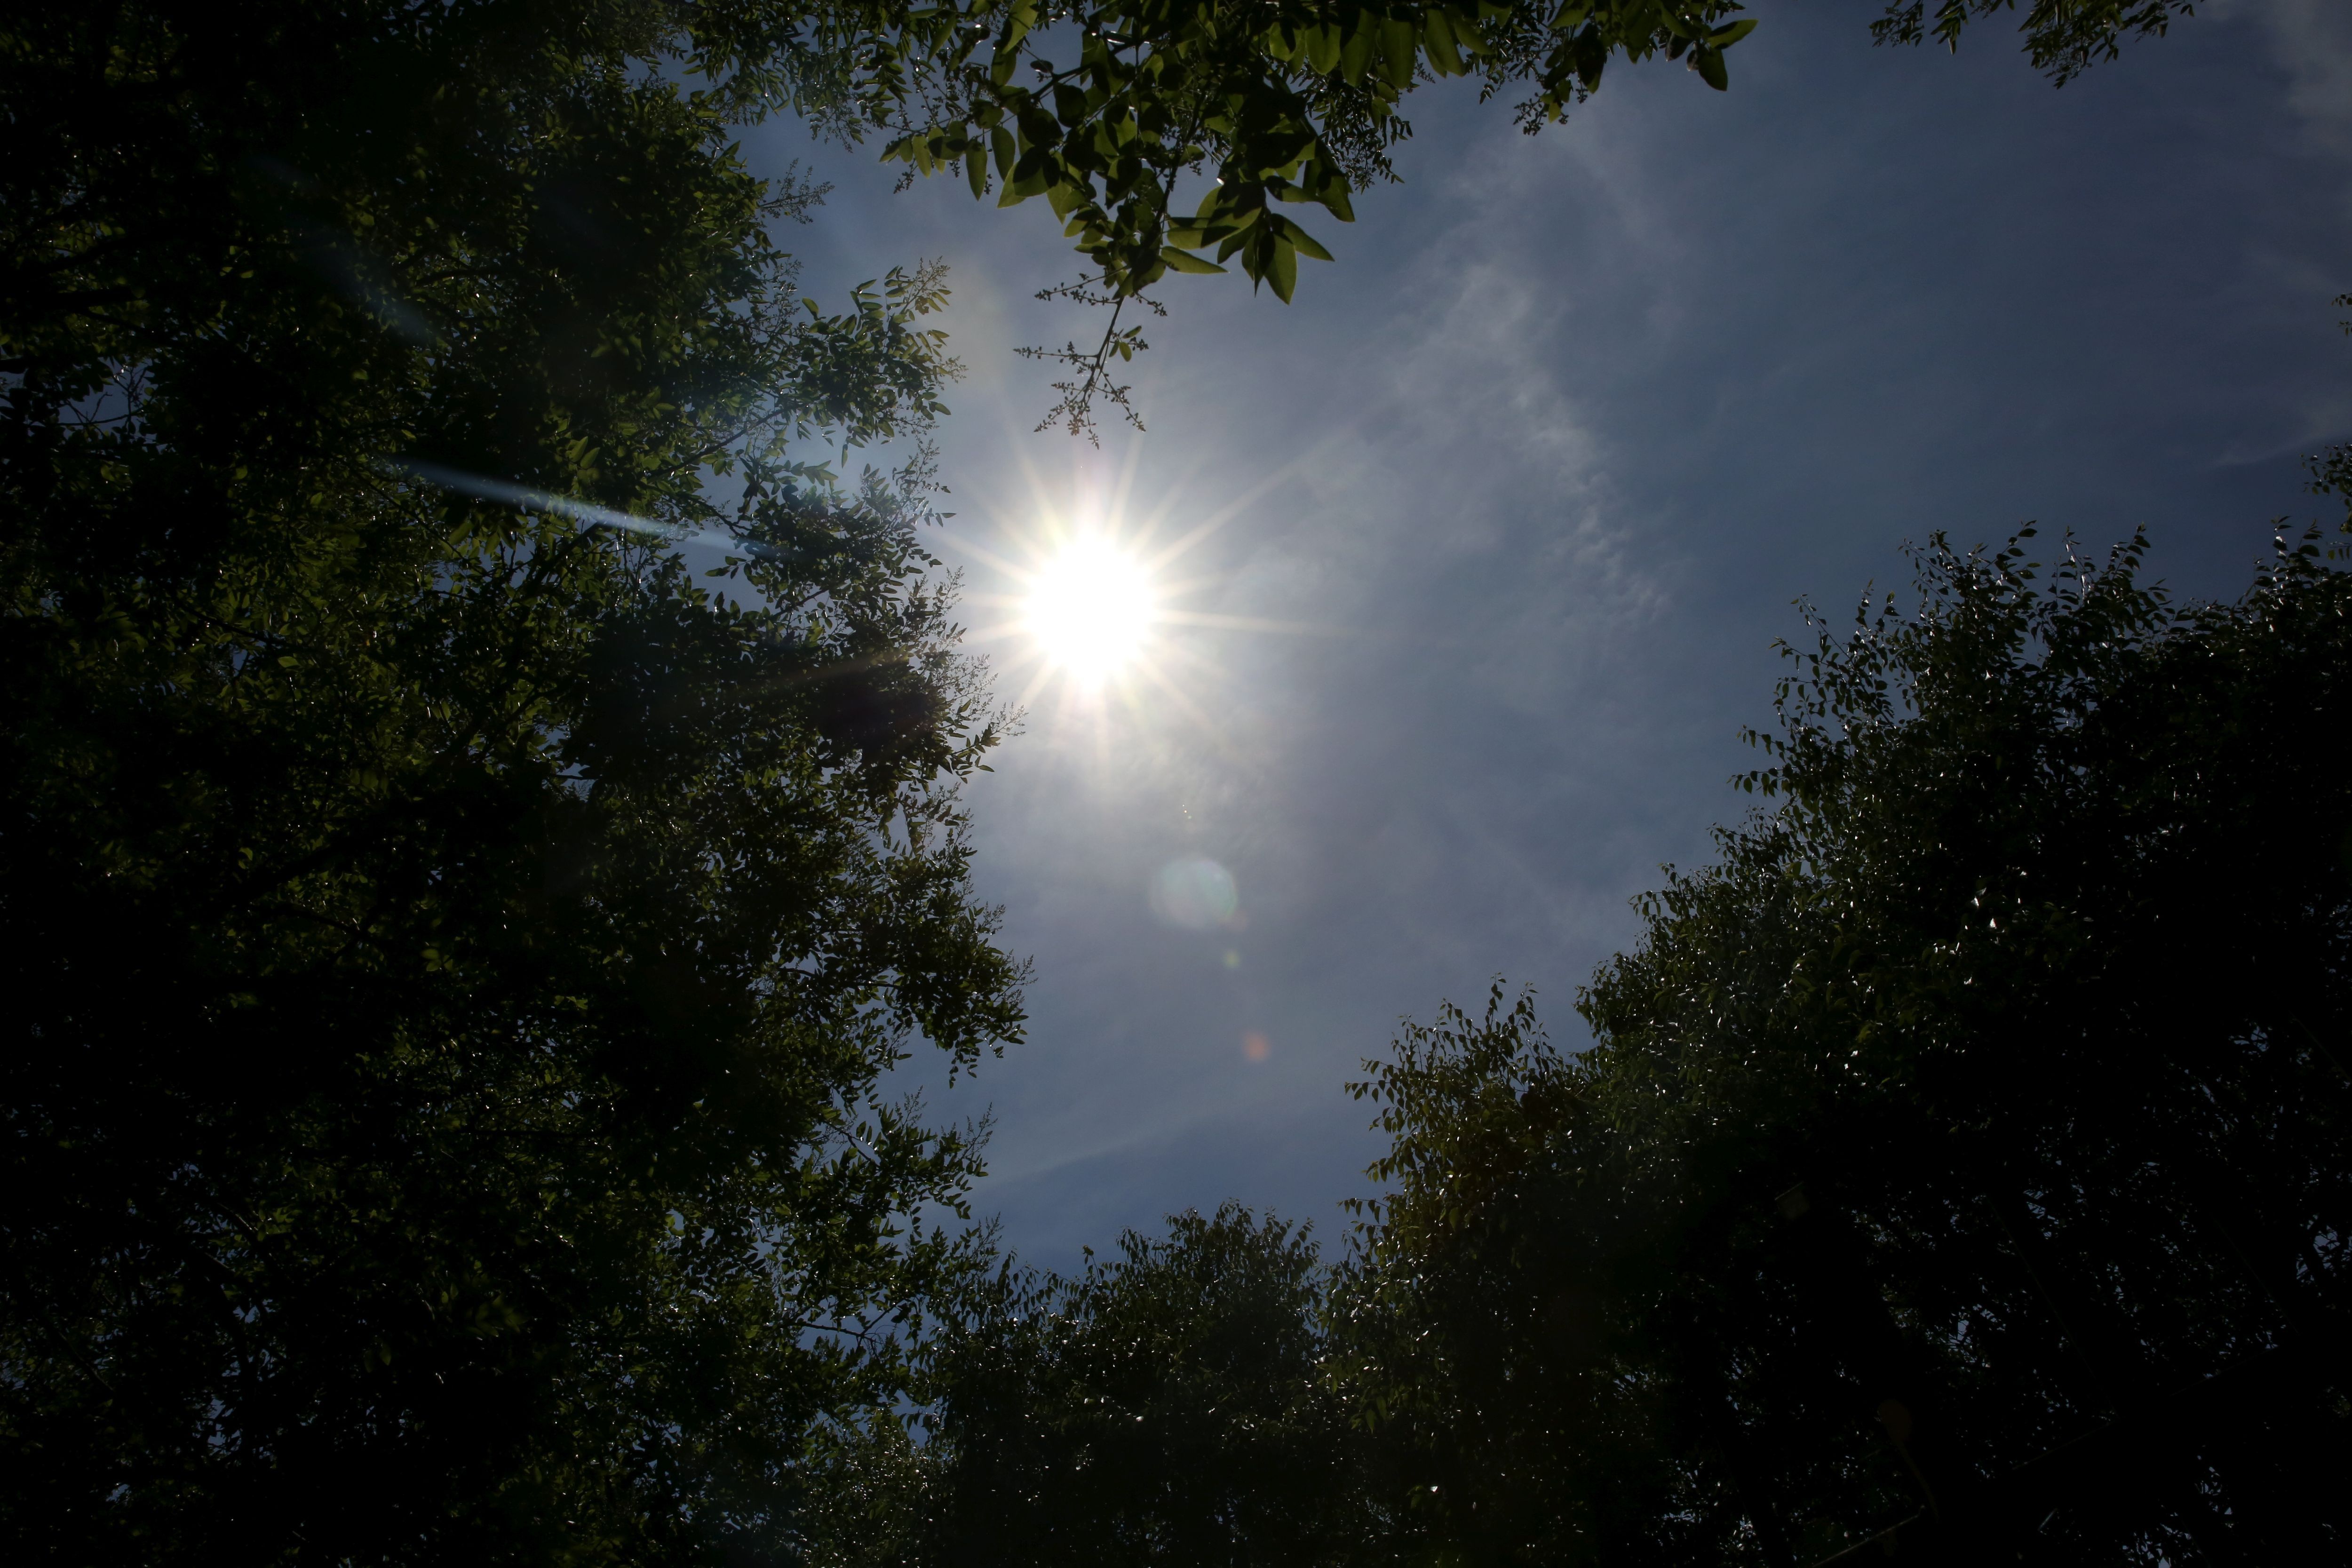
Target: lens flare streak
(588, 514)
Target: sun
(1090, 608)
(1091, 605)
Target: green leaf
(1323, 48)
(1031, 176)
(1184, 262)
(1399, 50)
(1444, 52)
(1304, 242)
(1282, 269)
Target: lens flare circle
(1195, 893)
(1090, 609)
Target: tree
(1171, 1405)
(1962, 1162)
(452, 952)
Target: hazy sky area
(1532, 476)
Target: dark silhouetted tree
(1171, 1405)
(1965, 1160)
(451, 952)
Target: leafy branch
(1075, 411)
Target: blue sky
(1532, 476)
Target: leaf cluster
(1104, 109)
(1170, 1405)
(454, 950)
(1960, 1161)
(1278, 104)
(2063, 38)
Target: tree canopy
(1171, 1405)
(1962, 1161)
(454, 949)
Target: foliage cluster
(1102, 107)
(453, 951)
(1961, 1158)
(1170, 1406)
(2062, 37)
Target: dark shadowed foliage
(1171, 1405)
(451, 952)
(1962, 1166)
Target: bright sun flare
(1090, 608)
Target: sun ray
(981, 553)
(1036, 684)
(1172, 651)
(1192, 711)
(1183, 585)
(997, 632)
(1218, 519)
(1249, 624)
(1124, 486)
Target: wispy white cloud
(2312, 40)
